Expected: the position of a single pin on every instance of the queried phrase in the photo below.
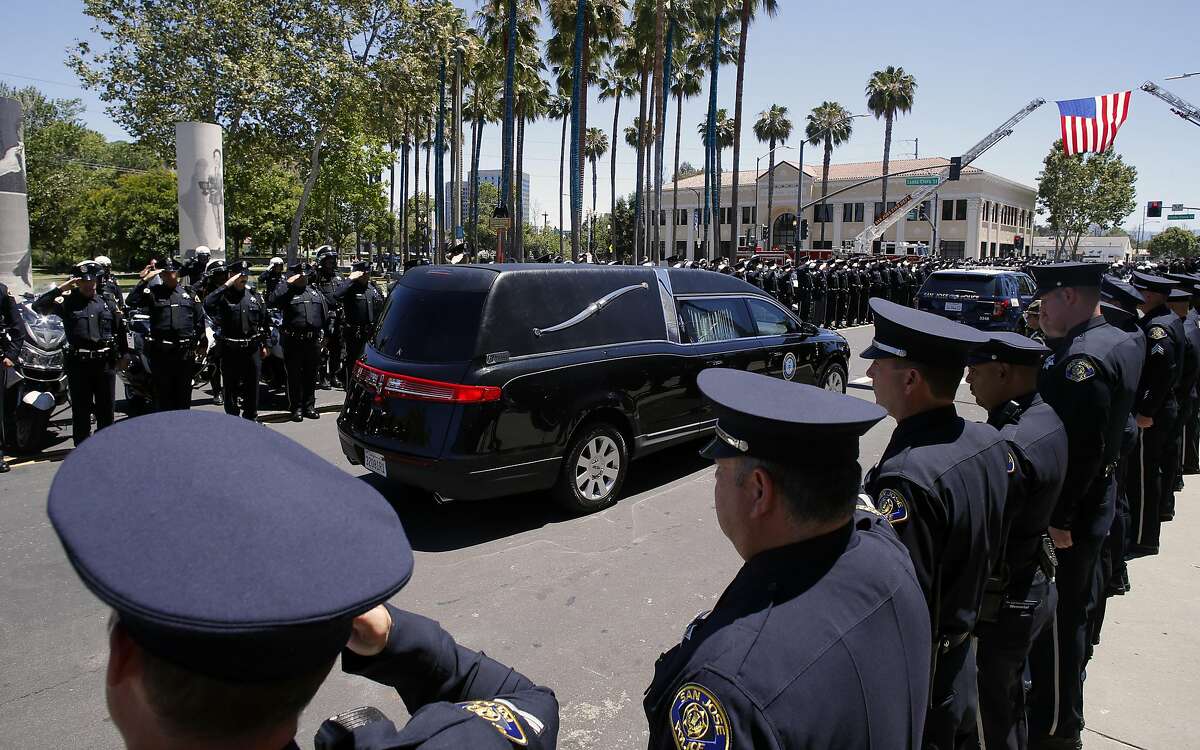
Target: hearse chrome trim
(666, 294)
(591, 309)
(514, 466)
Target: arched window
(784, 231)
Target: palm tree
(724, 134)
(595, 146)
(749, 9)
(773, 126)
(560, 109)
(616, 84)
(688, 83)
(829, 122)
(889, 91)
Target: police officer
(11, 339)
(1156, 410)
(215, 276)
(305, 320)
(1089, 380)
(193, 270)
(1191, 432)
(229, 654)
(838, 587)
(95, 331)
(271, 278)
(239, 317)
(176, 332)
(1180, 303)
(1019, 599)
(361, 304)
(326, 279)
(941, 482)
(107, 284)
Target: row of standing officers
(901, 617)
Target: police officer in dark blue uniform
(11, 340)
(1156, 410)
(361, 303)
(193, 270)
(176, 332)
(239, 317)
(1191, 435)
(942, 482)
(1019, 599)
(305, 320)
(326, 279)
(1180, 301)
(95, 332)
(821, 640)
(1089, 380)
(276, 587)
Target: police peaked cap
(1009, 348)
(777, 420)
(920, 336)
(1061, 275)
(1150, 283)
(209, 572)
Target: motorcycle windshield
(44, 331)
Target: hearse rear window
(430, 326)
(714, 319)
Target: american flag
(1091, 124)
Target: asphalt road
(584, 605)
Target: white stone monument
(200, 166)
(16, 263)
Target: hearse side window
(770, 320)
(430, 326)
(706, 320)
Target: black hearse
(491, 380)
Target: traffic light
(1018, 242)
(1154, 209)
(762, 228)
(955, 167)
(804, 229)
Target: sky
(975, 64)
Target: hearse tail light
(394, 385)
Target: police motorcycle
(36, 383)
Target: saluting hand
(8, 362)
(1144, 422)
(370, 631)
(294, 278)
(68, 285)
(149, 272)
(355, 275)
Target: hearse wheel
(833, 378)
(593, 469)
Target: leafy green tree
(889, 92)
(131, 221)
(261, 195)
(1078, 192)
(1175, 242)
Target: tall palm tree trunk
(770, 191)
(887, 153)
(737, 120)
(428, 186)
(705, 208)
(592, 238)
(416, 186)
(825, 183)
(612, 174)
(675, 174)
(639, 210)
(518, 189)
(475, 148)
(562, 156)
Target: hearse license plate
(374, 462)
(953, 307)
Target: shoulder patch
(892, 506)
(1011, 463)
(1157, 332)
(499, 716)
(1080, 370)
(699, 721)
(1049, 362)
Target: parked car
(985, 298)
(484, 381)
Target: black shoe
(1056, 743)
(218, 399)
(311, 414)
(297, 416)
(323, 384)
(4, 467)
(1165, 517)
(1140, 550)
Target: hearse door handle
(720, 362)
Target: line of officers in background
(326, 320)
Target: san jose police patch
(699, 721)
(1079, 370)
(893, 506)
(499, 716)
(789, 366)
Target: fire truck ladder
(863, 242)
(1178, 106)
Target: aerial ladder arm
(1178, 106)
(863, 242)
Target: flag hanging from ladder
(1091, 124)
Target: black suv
(490, 380)
(989, 299)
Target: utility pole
(545, 222)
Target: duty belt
(89, 353)
(312, 335)
(239, 342)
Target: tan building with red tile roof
(980, 215)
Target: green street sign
(920, 180)
(1180, 217)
